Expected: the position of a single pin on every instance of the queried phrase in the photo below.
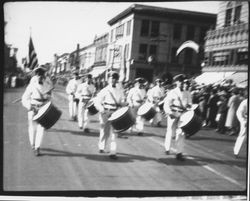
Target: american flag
(33, 62)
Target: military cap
(114, 75)
(179, 77)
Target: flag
(188, 44)
(33, 62)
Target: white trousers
(107, 138)
(72, 106)
(174, 131)
(83, 119)
(241, 138)
(139, 123)
(36, 131)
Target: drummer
(175, 103)
(71, 90)
(37, 94)
(85, 91)
(155, 96)
(107, 101)
(136, 97)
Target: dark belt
(41, 99)
(109, 109)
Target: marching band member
(155, 95)
(73, 101)
(37, 93)
(242, 115)
(108, 100)
(135, 98)
(85, 91)
(176, 102)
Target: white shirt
(85, 90)
(136, 96)
(72, 86)
(35, 92)
(178, 98)
(242, 111)
(104, 99)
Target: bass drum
(147, 111)
(122, 119)
(91, 108)
(47, 115)
(190, 123)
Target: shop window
(153, 50)
(174, 58)
(188, 56)
(145, 28)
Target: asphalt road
(70, 160)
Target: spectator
(212, 109)
(222, 113)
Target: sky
(57, 27)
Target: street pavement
(70, 160)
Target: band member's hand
(101, 110)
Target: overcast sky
(57, 27)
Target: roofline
(139, 8)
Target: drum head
(194, 107)
(185, 118)
(42, 110)
(118, 113)
(144, 108)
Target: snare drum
(91, 108)
(147, 111)
(122, 119)
(47, 115)
(190, 123)
(195, 108)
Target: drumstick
(16, 100)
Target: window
(188, 56)
(177, 31)
(228, 17)
(190, 32)
(143, 51)
(119, 31)
(174, 58)
(203, 31)
(111, 35)
(152, 50)
(128, 27)
(155, 28)
(237, 14)
(126, 51)
(145, 28)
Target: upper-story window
(143, 51)
(128, 28)
(228, 16)
(145, 28)
(203, 31)
(155, 28)
(119, 31)
(177, 31)
(190, 32)
(111, 35)
(174, 58)
(237, 14)
(188, 56)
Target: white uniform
(154, 96)
(135, 99)
(71, 90)
(84, 92)
(34, 97)
(180, 99)
(106, 105)
(242, 117)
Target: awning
(98, 71)
(212, 77)
(239, 78)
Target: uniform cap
(140, 80)
(180, 78)
(39, 68)
(114, 75)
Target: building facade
(143, 41)
(226, 47)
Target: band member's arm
(129, 98)
(26, 98)
(168, 102)
(100, 99)
(70, 88)
(241, 112)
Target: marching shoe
(86, 130)
(236, 156)
(167, 152)
(37, 152)
(80, 127)
(101, 151)
(113, 156)
(140, 133)
(179, 157)
(159, 124)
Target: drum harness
(35, 107)
(115, 105)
